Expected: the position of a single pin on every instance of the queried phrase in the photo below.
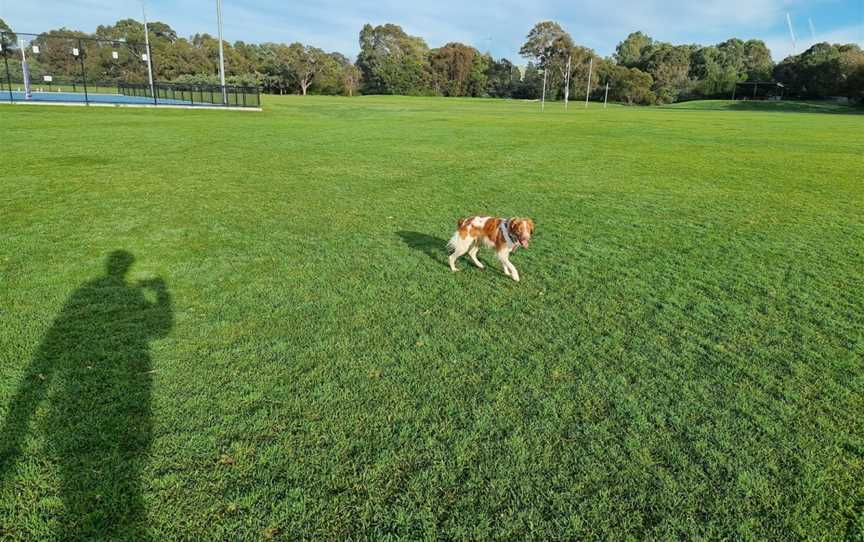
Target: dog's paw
(481, 266)
(514, 277)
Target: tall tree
(503, 78)
(479, 81)
(544, 42)
(129, 44)
(852, 71)
(635, 87)
(669, 66)
(306, 63)
(55, 56)
(530, 86)
(758, 63)
(715, 70)
(7, 38)
(457, 70)
(631, 52)
(855, 84)
(180, 58)
(345, 76)
(629, 85)
(6, 29)
(391, 61)
(330, 76)
(820, 71)
(581, 69)
(549, 46)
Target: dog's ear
(519, 225)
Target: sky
(498, 26)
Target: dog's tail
(451, 244)
(461, 224)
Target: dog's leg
(460, 247)
(473, 254)
(509, 269)
(513, 273)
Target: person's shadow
(87, 390)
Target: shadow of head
(434, 247)
(118, 263)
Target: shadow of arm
(31, 391)
(161, 313)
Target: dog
(503, 234)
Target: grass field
(220, 325)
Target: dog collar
(505, 230)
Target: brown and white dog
(503, 234)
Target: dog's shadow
(433, 247)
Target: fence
(191, 94)
(60, 68)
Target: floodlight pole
(791, 33)
(6, 64)
(588, 90)
(221, 53)
(83, 70)
(147, 45)
(25, 73)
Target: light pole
(147, 45)
(25, 72)
(221, 53)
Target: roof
(768, 83)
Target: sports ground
(79, 97)
(101, 96)
(277, 350)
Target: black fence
(75, 69)
(190, 94)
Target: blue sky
(496, 26)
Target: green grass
(288, 356)
(784, 106)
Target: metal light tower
(25, 73)
(791, 33)
(147, 45)
(221, 53)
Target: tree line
(641, 71)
